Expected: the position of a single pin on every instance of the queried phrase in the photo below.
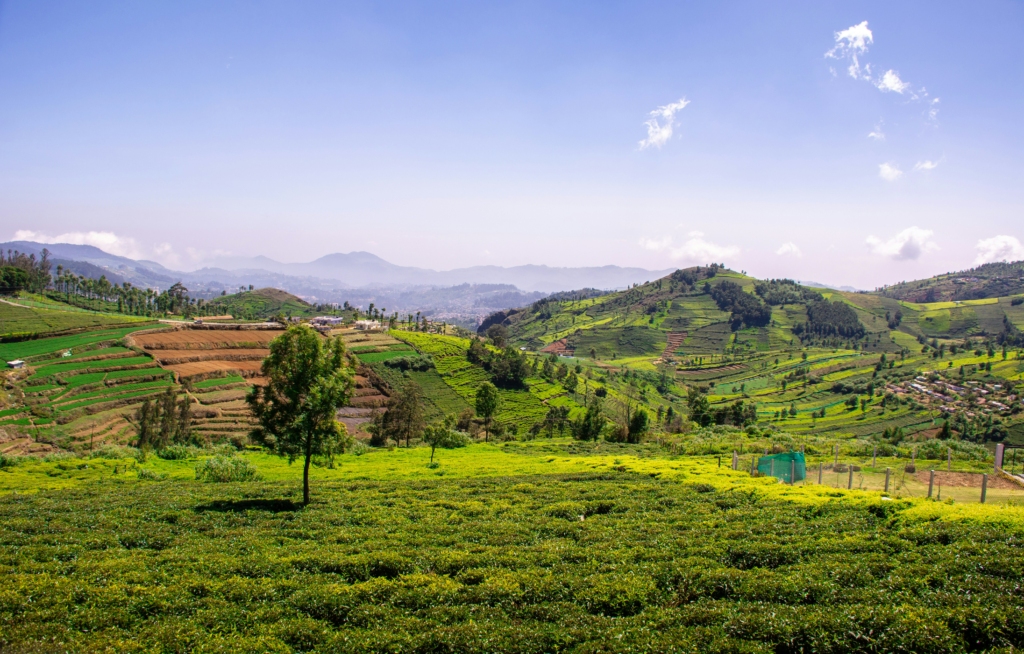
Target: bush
(177, 453)
(149, 475)
(116, 452)
(420, 363)
(962, 450)
(221, 469)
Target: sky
(840, 142)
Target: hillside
(990, 280)
(260, 304)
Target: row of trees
(164, 421)
(36, 275)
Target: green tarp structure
(783, 466)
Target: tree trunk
(305, 479)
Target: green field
(20, 322)
(514, 548)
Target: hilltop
(990, 280)
(261, 304)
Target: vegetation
(307, 382)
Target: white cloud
(999, 248)
(106, 241)
(789, 249)
(850, 44)
(926, 165)
(908, 245)
(877, 133)
(891, 81)
(656, 244)
(696, 249)
(890, 172)
(659, 125)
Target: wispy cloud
(695, 249)
(877, 133)
(890, 172)
(908, 245)
(106, 241)
(852, 46)
(851, 43)
(789, 249)
(926, 165)
(890, 81)
(659, 125)
(999, 248)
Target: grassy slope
(32, 320)
(261, 303)
(489, 551)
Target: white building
(17, 363)
(367, 325)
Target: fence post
(949, 459)
(821, 469)
(772, 473)
(735, 460)
(719, 460)
(931, 482)
(913, 458)
(836, 462)
(1000, 448)
(887, 480)
(984, 487)
(792, 472)
(753, 465)
(849, 484)
(874, 455)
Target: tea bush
(597, 562)
(223, 469)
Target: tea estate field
(519, 547)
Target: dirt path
(964, 480)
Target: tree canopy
(307, 381)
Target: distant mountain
(351, 270)
(848, 289)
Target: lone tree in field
(487, 401)
(307, 381)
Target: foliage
(746, 309)
(831, 319)
(420, 363)
(222, 469)
(443, 434)
(777, 292)
(487, 403)
(307, 381)
(403, 419)
(591, 425)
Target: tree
(404, 419)
(590, 426)
(638, 425)
(443, 434)
(700, 408)
(498, 335)
(183, 432)
(487, 401)
(308, 380)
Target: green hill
(262, 303)
(990, 280)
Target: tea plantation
(511, 548)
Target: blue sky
(445, 135)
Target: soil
(965, 480)
(202, 339)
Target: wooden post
(931, 482)
(984, 487)
(753, 465)
(836, 462)
(735, 460)
(772, 473)
(949, 459)
(849, 484)
(792, 472)
(913, 458)
(821, 469)
(874, 455)
(887, 480)
(1000, 449)
(719, 460)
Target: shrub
(359, 448)
(177, 453)
(149, 475)
(221, 469)
(962, 450)
(116, 452)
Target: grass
(31, 321)
(532, 547)
(43, 346)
